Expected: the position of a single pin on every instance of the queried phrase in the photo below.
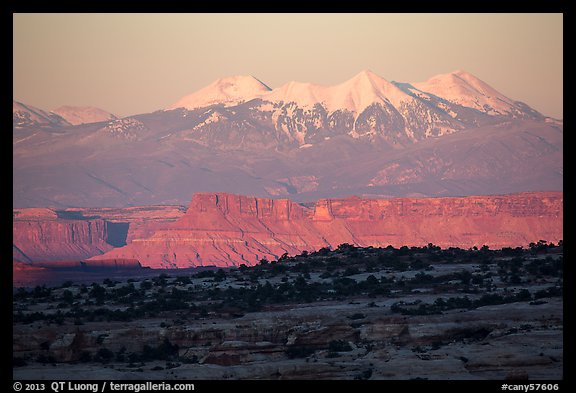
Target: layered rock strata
(73, 234)
(224, 230)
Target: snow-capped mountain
(24, 115)
(27, 116)
(366, 106)
(83, 114)
(354, 95)
(451, 135)
(464, 89)
(229, 91)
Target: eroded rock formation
(224, 229)
(487, 343)
(52, 239)
(43, 234)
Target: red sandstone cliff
(141, 221)
(223, 229)
(42, 234)
(44, 240)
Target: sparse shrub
(190, 360)
(322, 252)
(339, 346)
(294, 352)
(165, 351)
(548, 292)
(98, 293)
(350, 271)
(182, 280)
(418, 264)
(523, 295)
(121, 355)
(146, 285)
(104, 355)
(67, 284)
(41, 292)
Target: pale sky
(137, 63)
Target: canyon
(44, 234)
(228, 230)
(221, 229)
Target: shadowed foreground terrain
(350, 313)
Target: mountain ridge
(24, 115)
(77, 115)
(361, 90)
(230, 90)
(427, 146)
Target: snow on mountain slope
(462, 88)
(361, 91)
(354, 95)
(364, 89)
(229, 91)
(26, 115)
(365, 106)
(365, 136)
(83, 114)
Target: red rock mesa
(223, 229)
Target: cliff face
(44, 240)
(42, 234)
(223, 229)
(125, 224)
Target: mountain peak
(27, 115)
(461, 72)
(230, 90)
(474, 81)
(357, 93)
(368, 76)
(366, 73)
(354, 95)
(83, 114)
(462, 88)
(366, 88)
(238, 83)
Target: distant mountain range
(451, 135)
(366, 107)
(76, 115)
(28, 116)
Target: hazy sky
(137, 63)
